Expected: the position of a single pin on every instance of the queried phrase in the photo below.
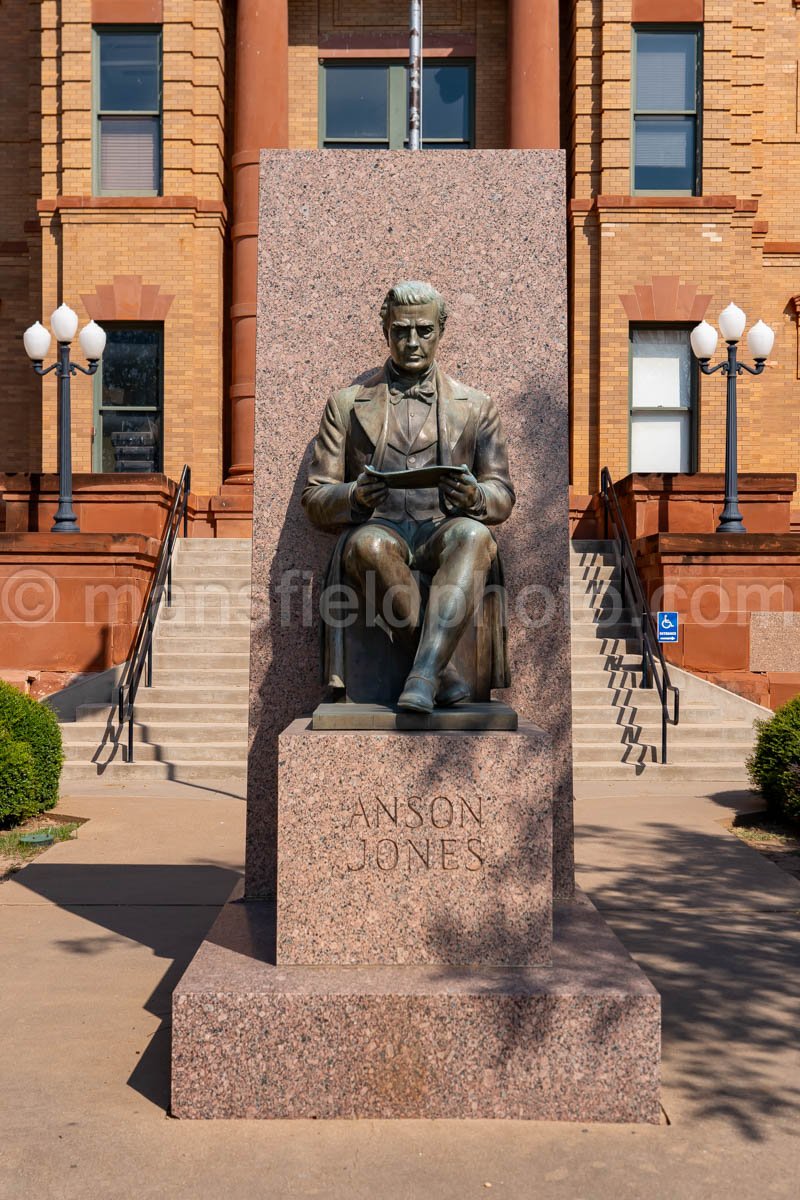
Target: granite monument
(410, 942)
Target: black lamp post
(760, 340)
(64, 323)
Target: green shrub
(17, 781)
(774, 765)
(791, 805)
(29, 721)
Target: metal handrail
(654, 666)
(142, 654)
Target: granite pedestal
(414, 965)
(414, 847)
(577, 1040)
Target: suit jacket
(354, 430)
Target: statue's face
(413, 335)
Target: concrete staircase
(616, 723)
(191, 726)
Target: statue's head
(413, 317)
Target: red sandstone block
(716, 647)
(783, 687)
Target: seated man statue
(406, 416)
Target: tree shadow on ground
(716, 930)
(168, 908)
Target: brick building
(139, 219)
(130, 131)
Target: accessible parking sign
(667, 627)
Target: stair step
(606, 554)
(172, 640)
(649, 733)
(636, 712)
(220, 752)
(233, 598)
(186, 573)
(150, 712)
(596, 572)
(683, 750)
(588, 640)
(590, 660)
(161, 730)
(208, 658)
(625, 677)
(590, 589)
(187, 626)
(706, 772)
(172, 693)
(622, 697)
(224, 776)
(214, 546)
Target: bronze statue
(410, 468)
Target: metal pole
(730, 520)
(415, 75)
(65, 520)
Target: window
(663, 392)
(129, 388)
(666, 108)
(127, 102)
(364, 106)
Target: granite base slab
(485, 715)
(576, 1041)
(414, 847)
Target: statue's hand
(369, 492)
(460, 491)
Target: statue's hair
(413, 291)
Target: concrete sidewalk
(95, 933)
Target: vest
(405, 451)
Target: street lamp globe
(732, 322)
(93, 341)
(760, 341)
(704, 340)
(64, 323)
(36, 341)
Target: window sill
(48, 207)
(621, 203)
(657, 409)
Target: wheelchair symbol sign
(668, 627)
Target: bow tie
(419, 391)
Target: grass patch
(14, 854)
(764, 827)
(771, 836)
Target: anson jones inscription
(416, 833)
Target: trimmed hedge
(17, 781)
(26, 720)
(774, 765)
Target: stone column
(261, 120)
(533, 75)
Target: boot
(418, 695)
(452, 688)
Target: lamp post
(36, 339)
(704, 342)
(415, 75)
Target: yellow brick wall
(751, 131)
(181, 253)
(311, 20)
(750, 152)
(182, 250)
(20, 247)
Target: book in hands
(422, 477)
